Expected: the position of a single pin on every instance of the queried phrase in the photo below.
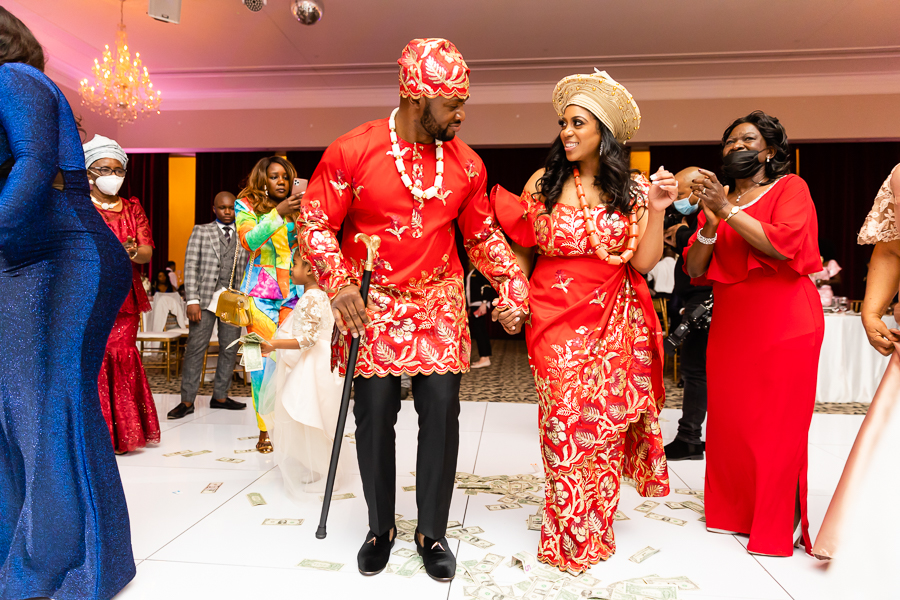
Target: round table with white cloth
(849, 368)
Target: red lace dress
(595, 348)
(125, 396)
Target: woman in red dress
(764, 338)
(594, 342)
(125, 396)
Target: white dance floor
(191, 545)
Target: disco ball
(308, 12)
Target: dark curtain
(843, 179)
(148, 180)
(221, 172)
(677, 158)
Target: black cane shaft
(342, 418)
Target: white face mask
(109, 184)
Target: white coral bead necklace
(416, 190)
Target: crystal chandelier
(122, 89)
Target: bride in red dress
(756, 246)
(125, 396)
(594, 342)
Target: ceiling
(222, 56)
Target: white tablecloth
(849, 368)
(163, 304)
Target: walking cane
(372, 244)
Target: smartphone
(299, 186)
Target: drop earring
(601, 148)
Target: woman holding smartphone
(264, 217)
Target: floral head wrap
(433, 67)
(607, 99)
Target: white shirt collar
(222, 226)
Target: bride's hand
(663, 190)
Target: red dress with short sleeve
(762, 361)
(595, 349)
(125, 396)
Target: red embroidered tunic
(417, 299)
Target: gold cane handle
(372, 244)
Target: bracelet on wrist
(709, 241)
(734, 210)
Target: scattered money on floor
(320, 565)
(289, 522)
(196, 453)
(212, 488)
(642, 555)
(255, 499)
(230, 460)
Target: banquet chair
(163, 343)
(659, 305)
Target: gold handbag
(234, 305)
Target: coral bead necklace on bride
(594, 237)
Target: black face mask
(742, 164)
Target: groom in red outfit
(409, 179)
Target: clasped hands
(350, 313)
(713, 196)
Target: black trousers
(693, 371)
(478, 327)
(376, 405)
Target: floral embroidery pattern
(471, 169)
(594, 355)
(341, 184)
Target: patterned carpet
(508, 379)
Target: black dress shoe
(227, 404)
(680, 450)
(181, 410)
(440, 564)
(374, 555)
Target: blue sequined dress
(64, 530)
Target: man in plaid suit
(207, 272)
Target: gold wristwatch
(734, 210)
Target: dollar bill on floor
(404, 553)
(225, 459)
(287, 522)
(391, 568)
(409, 488)
(620, 516)
(642, 555)
(411, 566)
(472, 530)
(196, 453)
(346, 496)
(681, 582)
(487, 564)
(255, 499)
(675, 505)
(655, 592)
(249, 437)
(702, 519)
(471, 492)
(523, 560)
(535, 522)
(646, 506)
(453, 524)
(212, 488)
(694, 506)
(502, 506)
(181, 453)
(688, 492)
(405, 536)
(320, 565)
(246, 451)
(587, 580)
(665, 519)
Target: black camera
(698, 319)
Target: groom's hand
(349, 311)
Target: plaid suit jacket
(202, 260)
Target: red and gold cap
(433, 67)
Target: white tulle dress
(301, 397)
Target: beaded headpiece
(607, 99)
(433, 67)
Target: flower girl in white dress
(304, 394)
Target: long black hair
(17, 43)
(775, 137)
(613, 177)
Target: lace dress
(303, 397)
(594, 345)
(881, 223)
